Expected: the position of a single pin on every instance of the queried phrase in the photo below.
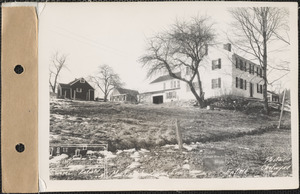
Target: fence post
(282, 107)
(178, 135)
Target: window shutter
(212, 65)
(257, 85)
(219, 82)
(241, 64)
(245, 66)
(261, 90)
(236, 82)
(236, 63)
(245, 84)
(212, 84)
(260, 72)
(241, 83)
(250, 68)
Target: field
(142, 141)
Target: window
(170, 95)
(79, 90)
(245, 66)
(196, 85)
(250, 68)
(236, 82)
(227, 47)
(65, 149)
(82, 80)
(257, 71)
(259, 88)
(241, 64)
(173, 84)
(216, 64)
(216, 83)
(245, 84)
(241, 83)
(188, 87)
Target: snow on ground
(57, 159)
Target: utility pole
(178, 135)
(282, 107)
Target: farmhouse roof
(127, 91)
(165, 77)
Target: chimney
(227, 47)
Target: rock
(134, 165)
(186, 166)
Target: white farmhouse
(222, 72)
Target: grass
(127, 126)
(246, 141)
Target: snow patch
(57, 159)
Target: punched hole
(20, 147)
(19, 69)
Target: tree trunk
(201, 95)
(200, 101)
(265, 64)
(105, 98)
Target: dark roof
(76, 80)
(127, 91)
(272, 93)
(165, 77)
(73, 82)
(64, 85)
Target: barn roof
(127, 91)
(64, 85)
(73, 82)
(165, 77)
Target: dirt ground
(142, 141)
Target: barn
(124, 95)
(78, 89)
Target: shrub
(235, 103)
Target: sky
(94, 34)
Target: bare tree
(58, 62)
(183, 46)
(255, 28)
(106, 80)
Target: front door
(251, 90)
